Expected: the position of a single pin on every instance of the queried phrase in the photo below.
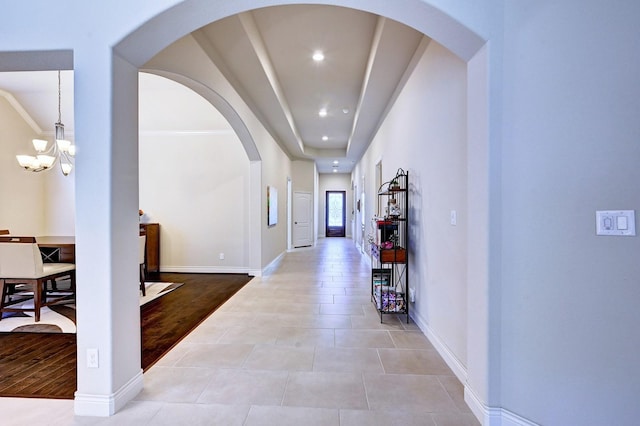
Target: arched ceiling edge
(220, 104)
(187, 16)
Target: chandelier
(61, 150)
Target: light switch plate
(616, 222)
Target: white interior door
(302, 222)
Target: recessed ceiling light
(322, 112)
(318, 56)
(335, 170)
(345, 110)
(325, 138)
(336, 162)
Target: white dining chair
(21, 265)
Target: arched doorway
(432, 27)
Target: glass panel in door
(335, 213)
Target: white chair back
(142, 248)
(20, 260)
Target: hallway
(301, 345)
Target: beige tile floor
(302, 345)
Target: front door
(335, 213)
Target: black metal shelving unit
(390, 268)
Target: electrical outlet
(454, 218)
(221, 256)
(92, 358)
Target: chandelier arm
(51, 150)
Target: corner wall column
(108, 313)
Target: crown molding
(21, 111)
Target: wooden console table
(57, 249)
(63, 248)
(152, 231)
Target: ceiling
(266, 54)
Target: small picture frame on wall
(272, 206)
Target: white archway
(483, 314)
(141, 45)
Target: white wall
(59, 199)
(41, 203)
(187, 60)
(335, 182)
(571, 146)
(303, 175)
(25, 189)
(194, 179)
(276, 171)
(196, 186)
(430, 116)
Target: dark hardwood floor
(42, 365)
(165, 321)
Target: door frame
(308, 240)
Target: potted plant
(393, 185)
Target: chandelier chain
(59, 99)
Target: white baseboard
(492, 416)
(206, 269)
(273, 263)
(255, 272)
(452, 361)
(512, 419)
(107, 405)
(478, 409)
(488, 416)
